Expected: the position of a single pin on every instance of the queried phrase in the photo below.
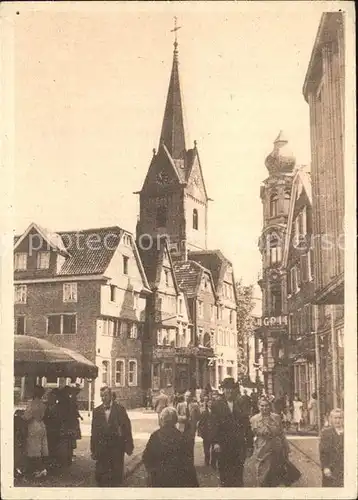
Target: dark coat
(331, 449)
(117, 432)
(206, 425)
(166, 458)
(232, 431)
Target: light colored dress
(297, 411)
(36, 443)
(271, 446)
(312, 407)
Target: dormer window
(195, 219)
(43, 260)
(20, 263)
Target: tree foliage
(245, 324)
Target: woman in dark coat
(167, 455)
(331, 448)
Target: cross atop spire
(174, 30)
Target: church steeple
(173, 134)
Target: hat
(228, 383)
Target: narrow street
(304, 454)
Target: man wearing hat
(232, 436)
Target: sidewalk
(307, 445)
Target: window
(290, 325)
(20, 294)
(289, 282)
(61, 324)
(231, 317)
(136, 301)
(125, 264)
(120, 373)
(126, 240)
(286, 201)
(132, 372)
(105, 373)
(113, 290)
(200, 308)
(133, 332)
(273, 205)
(275, 250)
(310, 264)
(212, 312)
(43, 260)
(276, 305)
(168, 374)
(70, 292)
(124, 328)
(68, 323)
(166, 272)
(195, 219)
(304, 267)
(162, 216)
(20, 325)
(207, 340)
(20, 263)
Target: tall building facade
(272, 330)
(324, 91)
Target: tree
(245, 325)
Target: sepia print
(178, 305)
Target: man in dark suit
(111, 438)
(232, 436)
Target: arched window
(161, 216)
(275, 250)
(207, 340)
(273, 205)
(195, 219)
(286, 201)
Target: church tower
(173, 199)
(275, 195)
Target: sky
(90, 86)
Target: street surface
(208, 478)
(81, 472)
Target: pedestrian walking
(167, 457)
(271, 449)
(297, 412)
(245, 403)
(188, 418)
(232, 436)
(331, 448)
(313, 411)
(161, 402)
(205, 429)
(36, 441)
(52, 422)
(111, 438)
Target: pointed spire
(173, 134)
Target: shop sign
(163, 352)
(271, 321)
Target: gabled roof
(152, 259)
(215, 261)
(54, 240)
(301, 180)
(189, 275)
(88, 251)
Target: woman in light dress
(36, 442)
(297, 412)
(313, 411)
(271, 446)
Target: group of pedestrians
(46, 433)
